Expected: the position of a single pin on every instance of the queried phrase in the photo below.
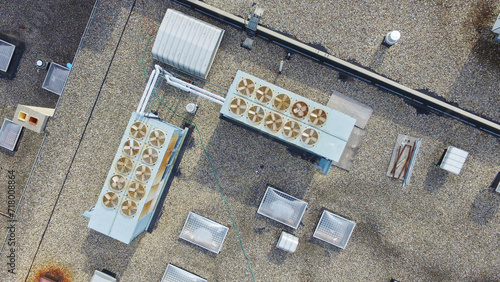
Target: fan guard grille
(124, 165)
(110, 200)
(129, 207)
(281, 102)
(238, 106)
(138, 130)
(117, 182)
(136, 190)
(300, 109)
(150, 156)
(273, 121)
(317, 117)
(131, 147)
(143, 173)
(157, 138)
(256, 114)
(291, 129)
(264, 94)
(246, 86)
(310, 136)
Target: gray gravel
(440, 227)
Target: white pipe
(196, 88)
(187, 89)
(148, 90)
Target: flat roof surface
(439, 227)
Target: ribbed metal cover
(282, 207)
(177, 274)
(187, 43)
(6, 52)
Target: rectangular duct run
(177, 274)
(204, 232)
(137, 178)
(288, 118)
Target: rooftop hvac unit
(278, 113)
(135, 186)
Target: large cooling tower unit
(138, 179)
(297, 122)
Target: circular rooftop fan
(317, 117)
(246, 86)
(136, 190)
(117, 182)
(300, 109)
(273, 121)
(143, 173)
(138, 130)
(150, 156)
(264, 94)
(124, 165)
(129, 207)
(110, 200)
(256, 114)
(131, 147)
(157, 138)
(281, 102)
(310, 136)
(291, 129)
(238, 106)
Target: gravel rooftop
(440, 227)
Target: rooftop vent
(204, 232)
(334, 229)
(282, 207)
(177, 274)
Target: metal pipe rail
(415, 97)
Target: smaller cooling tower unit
(288, 118)
(138, 179)
(187, 43)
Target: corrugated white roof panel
(187, 43)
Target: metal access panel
(287, 117)
(137, 177)
(454, 160)
(334, 229)
(9, 134)
(177, 274)
(282, 207)
(56, 78)
(204, 232)
(187, 43)
(6, 53)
